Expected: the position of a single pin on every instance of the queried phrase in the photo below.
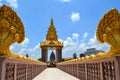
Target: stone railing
(98, 69)
(16, 69)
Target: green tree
(74, 55)
(39, 59)
(27, 55)
(63, 59)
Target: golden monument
(11, 30)
(51, 42)
(109, 31)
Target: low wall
(13, 69)
(97, 69)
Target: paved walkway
(54, 74)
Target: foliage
(74, 55)
(63, 59)
(27, 55)
(39, 59)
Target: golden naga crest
(11, 29)
(109, 31)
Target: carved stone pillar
(44, 54)
(58, 55)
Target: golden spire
(52, 23)
(51, 34)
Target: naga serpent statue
(11, 30)
(109, 31)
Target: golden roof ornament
(51, 34)
(109, 31)
(52, 23)
(11, 29)
(51, 38)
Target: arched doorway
(51, 42)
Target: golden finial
(51, 22)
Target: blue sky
(75, 21)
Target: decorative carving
(109, 31)
(11, 29)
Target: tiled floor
(54, 74)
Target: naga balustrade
(98, 69)
(14, 66)
(102, 66)
(14, 69)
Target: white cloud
(75, 16)
(24, 49)
(18, 47)
(25, 42)
(85, 35)
(65, 1)
(12, 3)
(94, 43)
(35, 52)
(71, 45)
(82, 47)
(75, 35)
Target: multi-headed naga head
(11, 29)
(109, 31)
